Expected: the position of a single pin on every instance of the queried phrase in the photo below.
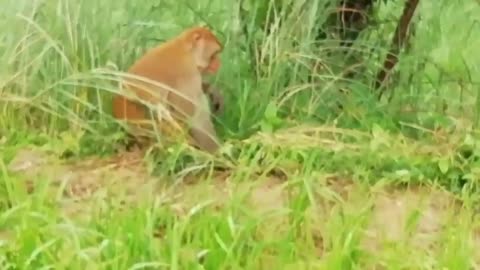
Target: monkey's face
(207, 57)
(206, 52)
(214, 63)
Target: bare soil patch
(418, 213)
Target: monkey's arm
(202, 130)
(217, 101)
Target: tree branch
(397, 42)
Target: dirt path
(419, 214)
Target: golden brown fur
(178, 64)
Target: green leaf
(377, 132)
(271, 112)
(266, 127)
(443, 165)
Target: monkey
(179, 64)
(137, 111)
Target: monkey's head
(206, 49)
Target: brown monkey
(177, 64)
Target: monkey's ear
(196, 36)
(192, 39)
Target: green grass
(388, 184)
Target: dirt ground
(418, 213)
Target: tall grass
(49, 45)
(51, 49)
